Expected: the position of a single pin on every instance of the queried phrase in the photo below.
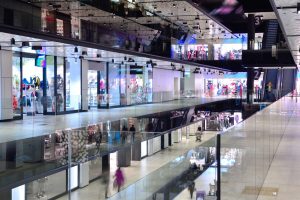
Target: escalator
(270, 34)
(282, 81)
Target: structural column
(124, 157)
(251, 42)
(6, 109)
(84, 84)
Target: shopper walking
(105, 180)
(98, 139)
(199, 134)
(132, 130)
(192, 189)
(124, 134)
(119, 179)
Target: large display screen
(40, 61)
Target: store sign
(40, 61)
(257, 73)
(136, 69)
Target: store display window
(60, 85)
(16, 85)
(123, 84)
(114, 85)
(140, 84)
(102, 97)
(190, 52)
(73, 84)
(92, 88)
(127, 85)
(228, 51)
(234, 85)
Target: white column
(84, 86)
(6, 109)
(189, 83)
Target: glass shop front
(45, 84)
(116, 85)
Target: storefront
(190, 52)
(230, 49)
(42, 84)
(233, 85)
(116, 85)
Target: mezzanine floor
(32, 126)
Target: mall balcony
(181, 95)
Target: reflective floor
(37, 125)
(248, 151)
(284, 173)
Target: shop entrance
(42, 85)
(31, 85)
(92, 89)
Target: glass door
(60, 85)
(31, 86)
(49, 99)
(16, 86)
(92, 88)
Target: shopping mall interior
(149, 99)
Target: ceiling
(289, 20)
(178, 14)
(233, 13)
(188, 17)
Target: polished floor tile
(32, 126)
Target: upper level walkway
(32, 126)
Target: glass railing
(169, 180)
(247, 151)
(44, 115)
(42, 164)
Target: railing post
(218, 156)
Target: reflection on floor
(138, 169)
(266, 156)
(40, 124)
(201, 184)
(284, 173)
